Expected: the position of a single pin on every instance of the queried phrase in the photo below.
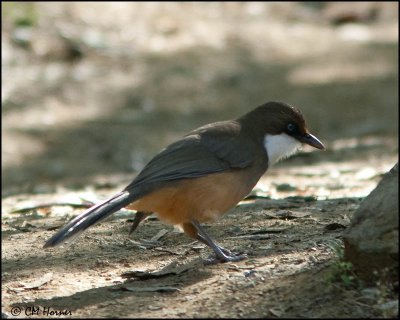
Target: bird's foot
(227, 256)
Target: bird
(204, 174)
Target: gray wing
(209, 149)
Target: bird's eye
(291, 127)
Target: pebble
(370, 294)
(153, 308)
(391, 308)
(313, 259)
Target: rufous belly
(203, 198)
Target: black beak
(311, 140)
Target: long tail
(90, 217)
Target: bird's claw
(214, 259)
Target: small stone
(390, 308)
(370, 294)
(153, 308)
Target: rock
(370, 295)
(390, 309)
(371, 241)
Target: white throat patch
(280, 146)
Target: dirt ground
(291, 270)
(79, 124)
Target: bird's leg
(225, 251)
(223, 255)
(139, 217)
(192, 232)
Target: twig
(86, 204)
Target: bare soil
(88, 101)
(291, 270)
